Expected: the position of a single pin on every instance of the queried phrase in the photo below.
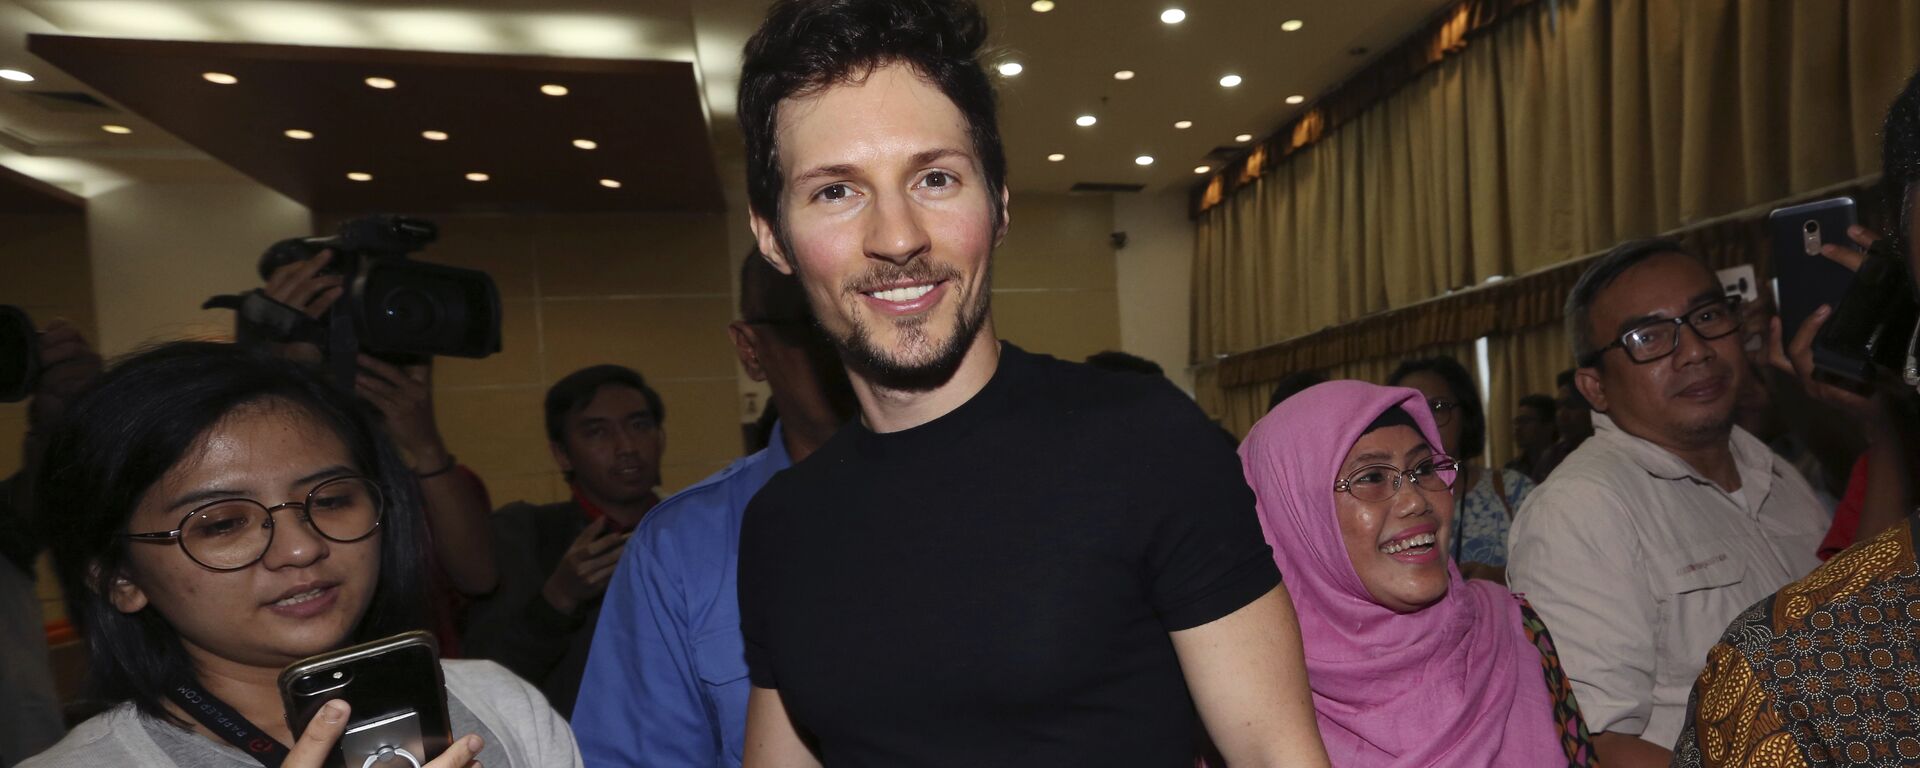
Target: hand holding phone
(315, 746)
(389, 699)
(585, 569)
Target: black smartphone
(396, 690)
(1803, 279)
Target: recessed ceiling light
(478, 177)
(1243, 138)
(15, 75)
(1125, 74)
(1042, 6)
(1056, 157)
(381, 83)
(1296, 99)
(1085, 120)
(1202, 168)
(1292, 25)
(1183, 124)
(434, 135)
(610, 183)
(116, 129)
(1143, 160)
(1229, 81)
(359, 176)
(1011, 68)
(296, 133)
(552, 89)
(586, 143)
(219, 78)
(1173, 16)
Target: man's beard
(913, 372)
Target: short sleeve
(1207, 556)
(1571, 556)
(753, 582)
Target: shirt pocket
(720, 660)
(1700, 589)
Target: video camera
(19, 354)
(394, 308)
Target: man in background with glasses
(1670, 520)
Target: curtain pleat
(1555, 132)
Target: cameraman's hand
(584, 571)
(405, 397)
(67, 366)
(301, 286)
(315, 746)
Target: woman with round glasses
(1486, 498)
(1410, 665)
(216, 515)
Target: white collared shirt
(1637, 564)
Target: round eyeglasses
(1379, 482)
(231, 534)
(1443, 411)
(1657, 338)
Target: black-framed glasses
(1443, 411)
(231, 534)
(1655, 339)
(1379, 482)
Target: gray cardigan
(529, 733)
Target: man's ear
(560, 456)
(746, 346)
(1006, 217)
(768, 238)
(1591, 387)
(126, 596)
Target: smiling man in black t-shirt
(1009, 560)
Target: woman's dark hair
(135, 424)
(1472, 416)
(806, 46)
(1900, 156)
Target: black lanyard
(229, 725)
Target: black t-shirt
(996, 587)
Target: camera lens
(409, 310)
(1812, 227)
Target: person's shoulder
(483, 680)
(100, 740)
(1858, 573)
(711, 505)
(529, 513)
(1518, 485)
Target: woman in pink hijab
(1409, 664)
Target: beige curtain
(1521, 364)
(1563, 129)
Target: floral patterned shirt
(1480, 521)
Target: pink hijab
(1454, 684)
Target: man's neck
(1710, 457)
(253, 692)
(805, 432)
(893, 410)
(626, 514)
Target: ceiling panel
(646, 118)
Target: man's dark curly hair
(805, 46)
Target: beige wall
(44, 270)
(160, 249)
(1053, 277)
(1153, 275)
(648, 291)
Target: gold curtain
(1518, 365)
(1566, 127)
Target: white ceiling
(1069, 56)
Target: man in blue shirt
(666, 681)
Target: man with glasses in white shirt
(1670, 520)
